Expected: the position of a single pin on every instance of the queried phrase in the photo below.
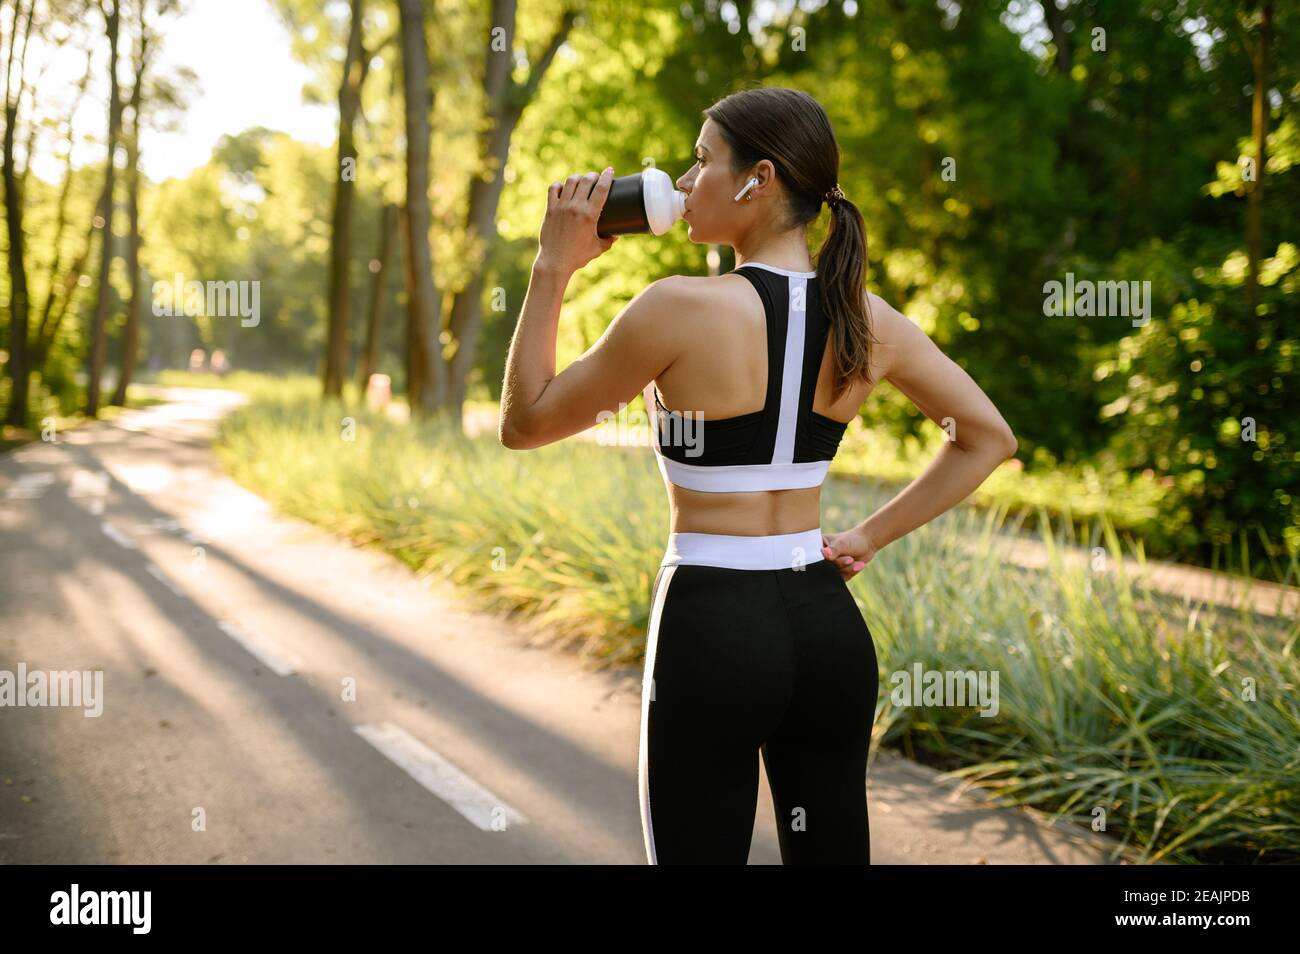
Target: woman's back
(745, 425)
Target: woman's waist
(754, 513)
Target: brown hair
(790, 129)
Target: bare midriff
(752, 513)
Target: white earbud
(748, 185)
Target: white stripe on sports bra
(792, 376)
(781, 473)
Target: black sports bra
(784, 446)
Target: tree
(1259, 51)
(19, 368)
(131, 332)
(375, 315)
(95, 361)
(425, 382)
(356, 64)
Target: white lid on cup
(664, 204)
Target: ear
(765, 173)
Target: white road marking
(92, 484)
(440, 777)
(88, 483)
(145, 478)
(30, 486)
(266, 652)
(162, 578)
(117, 536)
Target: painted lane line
(117, 536)
(441, 777)
(162, 578)
(88, 483)
(266, 652)
(145, 479)
(31, 486)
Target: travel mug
(645, 201)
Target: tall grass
(1173, 725)
(565, 538)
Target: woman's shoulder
(687, 296)
(686, 283)
(879, 306)
(693, 310)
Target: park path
(273, 694)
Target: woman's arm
(530, 365)
(978, 437)
(538, 406)
(948, 480)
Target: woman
(755, 643)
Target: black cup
(645, 201)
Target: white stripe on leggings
(647, 689)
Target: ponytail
(841, 281)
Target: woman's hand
(850, 551)
(568, 240)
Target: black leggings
(743, 658)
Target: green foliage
(1205, 400)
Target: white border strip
(647, 691)
(779, 271)
(778, 551)
(742, 477)
(792, 375)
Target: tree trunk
(1259, 129)
(414, 358)
(1055, 18)
(375, 319)
(131, 333)
(95, 362)
(19, 365)
(340, 307)
(424, 307)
